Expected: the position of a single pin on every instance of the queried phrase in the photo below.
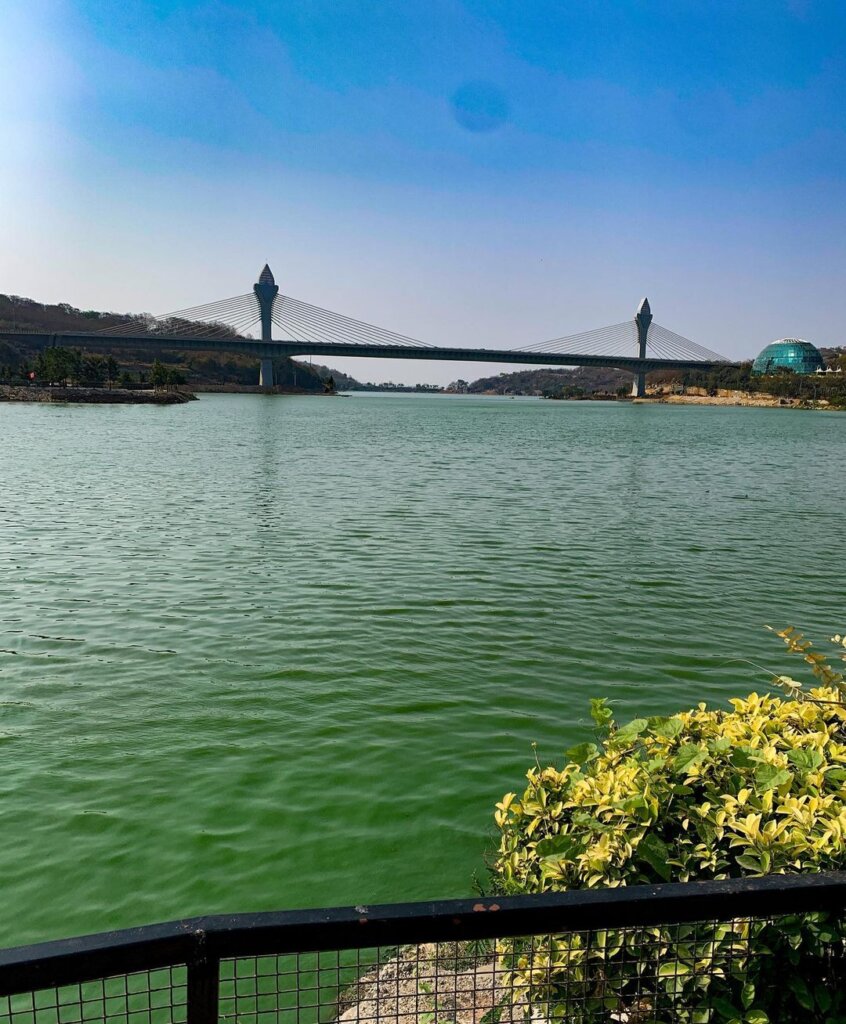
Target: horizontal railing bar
(72, 961)
(490, 918)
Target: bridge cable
(209, 320)
(222, 320)
(587, 337)
(666, 350)
(333, 329)
(308, 328)
(339, 329)
(212, 309)
(326, 328)
(326, 333)
(622, 340)
(601, 341)
(690, 348)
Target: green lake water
(261, 653)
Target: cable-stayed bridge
(638, 345)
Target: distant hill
(835, 356)
(552, 382)
(199, 368)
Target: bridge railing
(664, 954)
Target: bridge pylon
(266, 290)
(643, 318)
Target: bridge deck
(276, 349)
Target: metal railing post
(203, 986)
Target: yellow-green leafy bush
(704, 794)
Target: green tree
(57, 365)
(44, 365)
(159, 375)
(92, 370)
(112, 369)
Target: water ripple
(268, 653)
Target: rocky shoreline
(748, 401)
(93, 396)
(731, 396)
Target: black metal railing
(667, 953)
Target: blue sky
(480, 172)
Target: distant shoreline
(255, 389)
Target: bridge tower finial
(266, 290)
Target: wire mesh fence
(696, 972)
(763, 951)
(143, 997)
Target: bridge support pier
(266, 373)
(642, 321)
(639, 386)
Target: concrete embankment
(96, 396)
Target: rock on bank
(95, 396)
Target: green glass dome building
(791, 353)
